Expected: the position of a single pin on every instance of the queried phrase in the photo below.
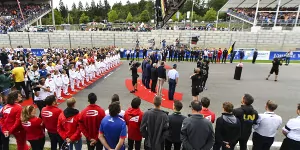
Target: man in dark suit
(144, 63)
(154, 77)
(175, 124)
(225, 54)
(148, 74)
(255, 53)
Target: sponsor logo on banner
(296, 55)
(262, 55)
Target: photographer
(204, 73)
(41, 91)
(34, 77)
(275, 68)
(5, 83)
(134, 74)
(196, 84)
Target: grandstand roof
(262, 4)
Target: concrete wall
(266, 40)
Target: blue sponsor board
(277, 54)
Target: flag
(231, 48)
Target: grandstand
(15, 15)
(265, 14)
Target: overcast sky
(70, 2)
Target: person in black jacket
(144, 53)
(148, 74)
(247, 116)
(154, 126)
(162, 77)
(275, 68)
(134, 75)
(215, 53)
(228, 129)
(196, 84)
(255, 53)
(225, 54)
(154, 77)
(204, 73)
(175, 124)
(144, 63)
(197, 133)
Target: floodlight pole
(256, 12)
(297, 16)
(217, 19)
(53, 18)
(277, 11)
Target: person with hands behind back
(90, 120)
(196, 84)
(228, 129)
(68, 125)
(35, 130)
(112, 132)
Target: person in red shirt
(50, 115)
(90, 120)
(11, 121)
(133, 117)
(205, 111)
(219, 55)
(35, 130)
(68, 125)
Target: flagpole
(20, 9)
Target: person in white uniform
(266, 128)
(292, 132)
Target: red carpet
(30, 102)
(147, 95)
(166, 66)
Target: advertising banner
(278, 54)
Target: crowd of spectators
(266, 17)
(11, 18)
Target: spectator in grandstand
(68, 125)
(175, 124)
(90, 120)
(228, 129)
(133, 117)
(115, 98)
(266, 127)
(288, 56)
(50, 115)
(34, 127)
(275, 68)
(11, 121)
(247, 116)
(197, 132)
(19, 77)
(112, 132)
(292, 132)
(154, 126)
(205, 111)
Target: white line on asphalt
(275, 144)
(108, 75)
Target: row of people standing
(170, 53)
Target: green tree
(63, 10)
(58, 18)
(106, 8)
(112, 16)
(211, 15)
(87, 7)
(74, 6)
(144, 17)
(216, 4)
(80, 6)
(84, 18)
(129, 17)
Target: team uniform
(113, 128)
(35, 133)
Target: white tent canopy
(262, 4)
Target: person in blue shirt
(43, 72)
(112, 132)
